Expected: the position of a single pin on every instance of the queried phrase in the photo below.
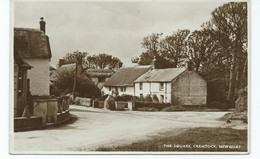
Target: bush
(124, 98)
(103, 97)
(155, 98)
(241, 102)
(148, 98)
(64, 85)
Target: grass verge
(195, 139)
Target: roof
(160, 75)
(20, 61)
(90, 72)
(100, 72)
(126, 76)
(52, 67)
(31, 43)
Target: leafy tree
(174, 47)
(64, 84)
(201, 48)
(151, 44)
(103, 61)
(71, 57)
(229, 27)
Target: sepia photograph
(151, 77)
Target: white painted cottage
(34, 47)
(179, 86)
(123, 80)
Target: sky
(115, 28)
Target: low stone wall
(40, 109)
(83, 101)
(46, 112)
(121, 105)
(23, 123)
(62, 117)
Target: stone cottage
(123, 80)
(178, 86)
(34, 47)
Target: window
(20, 82)
(141, 95)
(162, 98)
(141, 86)
(123, 89)
(101, 79)
(161, 86)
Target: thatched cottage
(34, 47)
(20, 84)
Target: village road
(98, 127)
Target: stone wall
(189, 89)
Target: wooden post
(75, 78)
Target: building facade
(178, 86)
(122, 81)
(34, 47)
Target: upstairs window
(161, 87)
(141, 86)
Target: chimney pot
(188, 66)
(42, 24)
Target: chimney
(153, 63)
(188, 66)
(61, 62)
(42, 24)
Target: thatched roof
(31, 43)
(160, 75)
(91, 72)
(126, 76)
(100, 72)
(19, 60)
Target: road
(98, 127)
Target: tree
(174, 47)
(64, 84)
(71, 57)
(103, 61)
(201, 48)
(229, 26)
(151, 44)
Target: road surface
(97, 127)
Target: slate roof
(31, 43)
(126, 76)
(160, 75)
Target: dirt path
(97, 127)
